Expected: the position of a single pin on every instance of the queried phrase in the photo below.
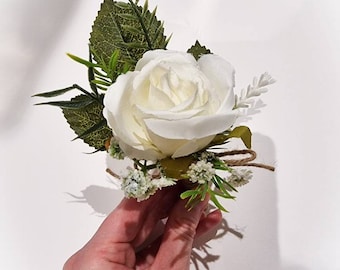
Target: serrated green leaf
(88, 118)
(131, 29)
(127, 16)
(145, 7)
(122, 5)
(94, 128)
(198, 50)
(158, 32)
(243, 133)
(128, 28)
(135, 46)
(153, 15)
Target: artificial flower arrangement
(171, 113)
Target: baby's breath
(239, 177)
(164, 181)
(207, 156)
(201, 172)
(137, 184)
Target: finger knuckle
(184, 227)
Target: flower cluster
(164, 110)
(240, 177)
(201, 172)
(140, 185)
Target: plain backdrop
(53, 195)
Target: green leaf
(91, 75)
(63, 91)
(243, 133)
(219, 183)
(54, 93)
(71, 105)
(194, 197)
(128, 28)
(189, 193)
(175, 168)
(88, 122)
(230, 186)
(101, 82)
(220, 165)
(214, 199)
(82, 61)
(145, 7)
(114, 60)
(95, 127)
(198, 50)
(218, 140)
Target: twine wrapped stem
(246, 161)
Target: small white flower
(207, 156)
(137, 184)
(240, 177)
(162, 182)
(201, 172)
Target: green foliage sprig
(121, 34)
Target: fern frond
(258, 87)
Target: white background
(288, 219)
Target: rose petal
(193, 128)
(166, 115)
(221, 74)
(192, 146)
(170, 105)
(141, 152)
(117, 110)
(166, 55)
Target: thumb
(175, 249)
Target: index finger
(132, 221)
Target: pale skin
(119, 243)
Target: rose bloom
(171, 105)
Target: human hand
(119, 243)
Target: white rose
(171, 105)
